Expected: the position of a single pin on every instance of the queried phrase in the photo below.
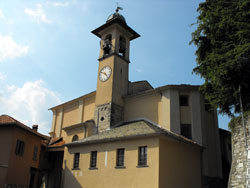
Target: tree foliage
(222, 38)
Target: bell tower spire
(112, 82)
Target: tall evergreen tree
(222, 38)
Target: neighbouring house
(22, 154)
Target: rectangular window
(142, 156)
(93, 159)
(183, 100)
(186, 130)
(35, 151)
(76, 160)
(120, 157)
(19, 147)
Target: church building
(129, 134)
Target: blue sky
(48, 54)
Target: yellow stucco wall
(179, 165)
(57, 124)
(104, 89)
(80, 132)
(89, 108)
(165, 117)
(147, 106)
(71, 114)
(107, 176)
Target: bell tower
(112, 81)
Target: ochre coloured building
(129, 134)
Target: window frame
(122, 46)
(20, 147)
(190, 126)
(35, 153)
(76, 161)
(107, 44)
(120, 156)
(93, 160)
(184, 100)
(75, 138)
(142, 156)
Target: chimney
(35, 127)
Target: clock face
(105, 73)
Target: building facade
(129, 134)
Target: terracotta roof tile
(57, 144)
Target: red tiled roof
(57, 144)
(6, 120)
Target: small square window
(142, 156)
(19, 147)
(93, 159)
(184, 100)
(120, 157)
(76, 160)
(186, 130)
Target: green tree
(222, 38)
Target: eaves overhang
(134, 34)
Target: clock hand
(105, 74)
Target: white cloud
(29, 104)
(139, 70)
(37, 15)
(61, 4)
(10, 49)
(2, 76)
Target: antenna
(118, 8)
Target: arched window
(122, 46)
(75, 138)
(107, 44)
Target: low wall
(240, 171)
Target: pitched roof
(134, 34)
(132, 129)
(6, 120)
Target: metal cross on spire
(118, 8)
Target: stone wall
(240, 172)
(108, 115)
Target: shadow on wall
(70, 179)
